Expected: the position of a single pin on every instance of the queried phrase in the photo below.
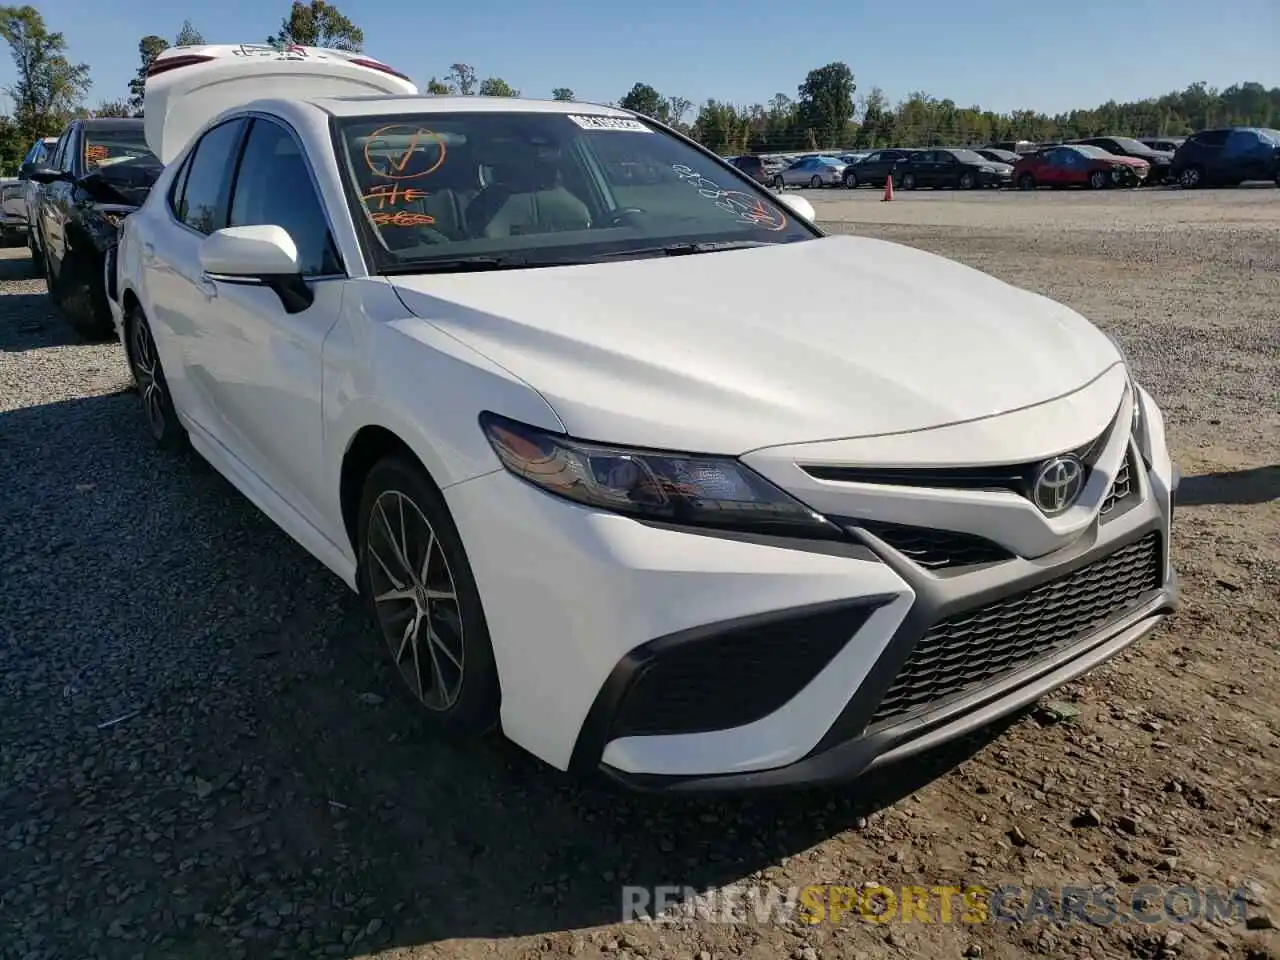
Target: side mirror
(258, 255)
(798, 205)
(49, 175)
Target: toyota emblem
(1057, 484)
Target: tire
(1191, 178)
(153, 388)
(908, 181)
(851, 180)
(779, 183)
(465, 701)
(1098, 180)
(968, 180)
(1026, 182)
(37, 261)
(815, 182)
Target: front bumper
(684, 660)
(995, 179)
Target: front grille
(1122, 487)
(1014, 477)
(733, 677)
(966, 650)
(936, 549)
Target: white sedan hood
(727, 352)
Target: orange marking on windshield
(392, 195)
(402, 218)
(398, 160)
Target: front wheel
(1191, 178)
(851, 180)
(908, 181)
(417, 583)
(148, 374)
(1026, 182)
(815, 182)
(967, 180)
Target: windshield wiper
(459, 265)
(683, 249)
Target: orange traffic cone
(888, 188)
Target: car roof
(111, 123)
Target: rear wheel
(417, 583)
(1098, 180)
(815, 182)
(908, 181)
(1026, 182)
(967, 180)
(1191, 178)
(148, 374)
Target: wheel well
(370, 445)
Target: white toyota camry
(626, 457)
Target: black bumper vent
(734, 676)
(966, 650)
(935, 549)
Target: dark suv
(1228, 156)
(753, 167)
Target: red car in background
(1078, 165)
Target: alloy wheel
(416, 600)
(146, 372)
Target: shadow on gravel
(1239, 487)
(28, 321)
(214, 737)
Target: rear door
(179, 297)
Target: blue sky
(997, 53)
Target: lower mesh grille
(735, 677)
(968, 649)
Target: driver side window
(274, 186)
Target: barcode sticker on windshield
(610, 123)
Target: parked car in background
(953, 167)
(1228, 156)
(597, 482)
(873, 169)
(997, 155)
(754, 167)
(37, 156)
(1016, 146)
(858, 157)
(1078, 165)
(1167, 144)
(13, 212)
(100, 171)
(1160, 161)
(813, 172)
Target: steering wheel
(617, 219)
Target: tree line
(826, 113)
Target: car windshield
(968, 156)
(1091, 151)
(539, 188)
(104, 147)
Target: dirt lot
(259, 798)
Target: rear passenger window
(274, 186)
(202, 205)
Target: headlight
(986, 169)
(675, 488)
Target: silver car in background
(810, 172)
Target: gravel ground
(196, 759)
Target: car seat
(522, 197)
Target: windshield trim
(370, 245)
